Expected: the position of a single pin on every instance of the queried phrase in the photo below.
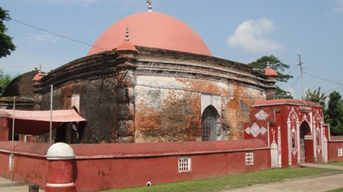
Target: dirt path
(12, 186)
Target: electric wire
(340, 85)
(56, 34)
(291, 71)
(329, 90)
(294, 83)
(324, 79)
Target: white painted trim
(329, 131)
(289, 143)
(279, 148)
(60, 184)
(170, 154)
(325, 149)
(60, 158)
(298, 140)
(268, 130)
(211, 99)
(310, 122)
(322, 139)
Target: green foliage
(4, 81)
(6, 45)
(279, 67)
(316, 96)
(275, 64)
(337, 190)
(233, 181)
(335, 113)
(282, 94)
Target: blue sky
(237, 30)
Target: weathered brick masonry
(154, 95)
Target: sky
(236, 30)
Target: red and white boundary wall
(93, 167)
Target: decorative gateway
(295, 135)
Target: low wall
(116, 166)
(113, 166)
(30, 164)
(333, 151)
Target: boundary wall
(113, 166)
(335, 147)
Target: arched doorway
(210, 124)
(305, 135)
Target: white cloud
(43, 38)
(338, 5)
(250, 36)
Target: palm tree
(316, 96)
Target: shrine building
(151, 78)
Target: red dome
(155, 30)
(270, 72)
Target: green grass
(337, 163)
(337, 190)
(233, 181)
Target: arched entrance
(305, 136)
(210, 124)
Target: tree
(6, 45)
(335, 113)
(279, 67)
(317, 97)
(4, 81)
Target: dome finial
(150, 5)
(127, 34)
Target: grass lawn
(337, 190)
(232, 181)
(336, 163)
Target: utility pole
(302, 77)
(51, 101)
(12, 151)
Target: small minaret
(125, 78)
(150, 5)
(271, 75)
(126, 45)
(127, 34)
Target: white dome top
(59, 151)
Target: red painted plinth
(61, 176)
